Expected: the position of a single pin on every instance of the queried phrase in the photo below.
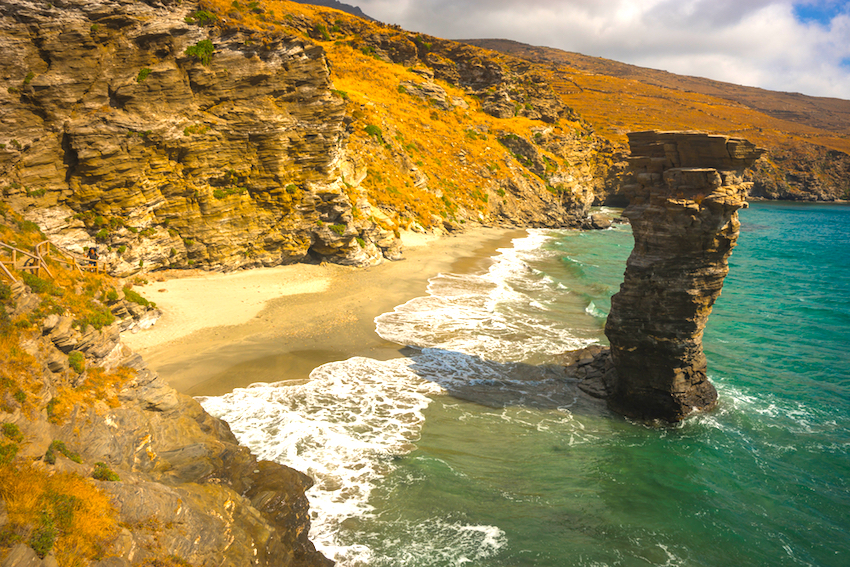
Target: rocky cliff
(103, 463)
(171, 142)
(683, 211)
(211, 135)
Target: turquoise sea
(473, 450)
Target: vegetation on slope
(54, 512)
(433, 157)
(808, 138)
(806, 161)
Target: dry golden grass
(615, 106)
(19, 386)
(60, 511)
(456, 150)
(99, 385)
(68, 293)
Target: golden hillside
(807, 137)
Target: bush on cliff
(77, 361)
(202, 51)
(136, 297)
(103, 472)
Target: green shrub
(323, 31)
(292, 189)
(341, 94)
(5, 292)
(35, 193)
(30, 76)
(60, 447)
(20, 396)
(8, 452)
(338, 228)
(41, 540)
(111, 295)
(143, 74)
(135, 297)
(103, 472)
(39, 285)
(201, 17)
(28, 226)
(13, 432)
(77, 361)
(375, 132)
(55, 518)
(202, 51)
(98, 319)
(361, 242)
(227, 191)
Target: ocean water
(473, 449)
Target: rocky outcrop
(683, 212)
(183, 488)
(120, 131)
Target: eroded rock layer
(683, 211)
(175, 144)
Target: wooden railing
(13, 258)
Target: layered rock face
(229, 155)
(683, 212)
(187, 489)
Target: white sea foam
(498, 315)
(342, 428)
(345, 426)
(594, 311)
(437, 541)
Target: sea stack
(683, 210)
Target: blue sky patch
(821, 11)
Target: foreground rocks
(184, 488)
(683, 212)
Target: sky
(783, 45)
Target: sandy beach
(225, 331)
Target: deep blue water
(475, 451)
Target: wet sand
(291, 319)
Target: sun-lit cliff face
(227, 135)
(128, 126)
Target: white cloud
(750, 42)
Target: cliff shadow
(503, 384)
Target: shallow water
(472, 450)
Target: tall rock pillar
(683, 212)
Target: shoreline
(291, 319)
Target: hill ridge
(757, 98)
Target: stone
(593, 369)
(428, 90)
(685, 224)
(22, 555)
